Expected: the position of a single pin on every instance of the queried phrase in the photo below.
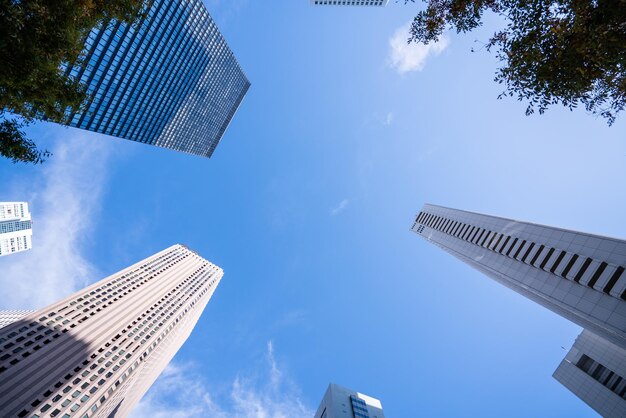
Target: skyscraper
(340, 402)
(96, 352)
(595, 371)
(580, 276)
(170, 80)
(9, 316)
(349, 2)
(15, 228)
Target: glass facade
(169, 80)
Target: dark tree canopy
(36, 38)
(571, 52)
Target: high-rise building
(595, 371)
(15, 228)
(349, 2)
(170, 80)
(96, 352)
(9, 316)
(340, 402)
(580, 276)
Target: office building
(340, 402)
(349, 2)
(15, 228)
(95, 353)
(595, 371)
(579, 276)
(9, 316)
(170, 80)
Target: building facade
(340, 402)
(96, 352)
(9, 316)
(579, 276)
(595, 371)
(170, 80)
(15, 228)
(349, 2)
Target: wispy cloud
(405, 57)
(64, 206)
(339, 208)
(179, 392)
(388, 119)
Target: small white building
(15, 228)
(340, 402)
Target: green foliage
(570, 52)
(15, 146)
(36, 38)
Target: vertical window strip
(506, 241)
(583, 269)
(519, 249)
(557, 262)
(497, 242)
(597, 274)
(482, 244)
(532, 262)
(546, 258)
(614, 278)
(512, 246)
(569, 266)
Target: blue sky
(307, 204)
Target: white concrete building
(579, 276)
(15, 228)
(95, 353)
(595, 371)
(340, 402)
(349, 2)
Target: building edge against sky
(15, 228)
(349, 2)
(170, 80)
(341, 402)
(580, 276)
(95, 353)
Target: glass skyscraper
(579, 276)
(95, 353)
(169, 80)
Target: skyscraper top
(349, 2)
(170, 80)
(340, 402)
(577, 275)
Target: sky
(307, 204)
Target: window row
(606, 377)
(580, 269)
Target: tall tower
(170, 80)
(95, 353)
(580, 276)
(349, 2)
(15, 228)
(340, 402)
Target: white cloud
(342, 205)
(180, 393)
(388, 119)
(64, 205)
(407, 57)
